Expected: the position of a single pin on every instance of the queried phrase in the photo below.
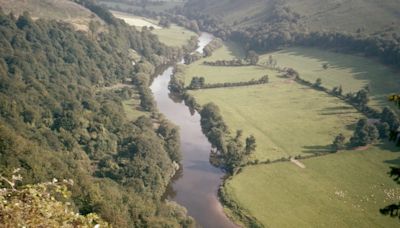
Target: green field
(174, 35)
(352, 72)
(215, 74)
(286, 118)
(340, 190)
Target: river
(196, 185)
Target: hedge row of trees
(231, 63)
(212, 46)
(53, 124)
(199, 83)
(368, 132)
(230, 152)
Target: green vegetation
(340, 190)
(315, 15)
(351, 72)
(221, 74)
(174, 35)
(60, 119)
(40, 205)
(284, 116)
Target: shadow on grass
(362, 68)
(317, 149)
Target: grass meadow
(286, 118)
(352, 72)
(174, 35)
(346, 189)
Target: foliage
(339, 142)
(40, 205)
(199, 83)
(57, 120)
(364, 134)
(230, 152)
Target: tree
(390, 117)
(250, 144)
(339, 142)
(364, 134)
(318, 83)
(93, 28)
(361, 98)
(253, 57)
(384, 130)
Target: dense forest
(57, 122)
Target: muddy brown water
(195, 186)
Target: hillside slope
(336, 15)
(62, 10)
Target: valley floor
(345, 189)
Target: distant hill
(63, 10)
(369, 16)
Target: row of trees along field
(56, 122)
(230, 152)
(200, 83)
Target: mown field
(216, 74)
(286, 118)
(352, 72)
(346, 189)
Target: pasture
(286, 118)
(175, 35)
(346, 189)
(217, 74)
(351, 72)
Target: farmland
(351, 72)
(340, 190)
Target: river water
(196, 185)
